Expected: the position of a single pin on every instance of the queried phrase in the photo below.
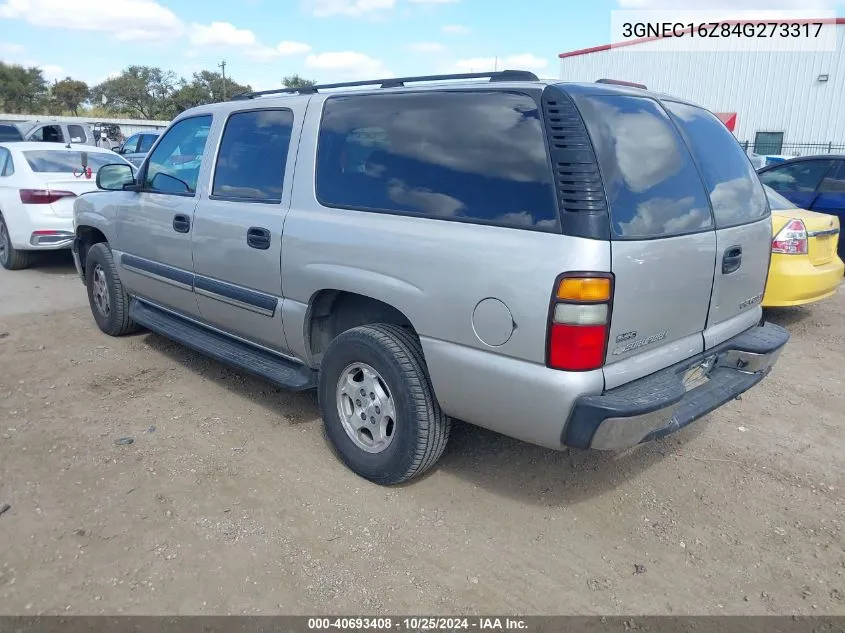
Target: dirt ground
(230, 501)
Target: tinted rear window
(735, 191)
(652, 185)
(473, 156)
(53, 161)
(10, 133)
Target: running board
(280, 371)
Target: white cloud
(243, 41)
(220, 34)
(525, 61)
(346, 65)
(128, 20)
(292, 48)
(352, 8)
(454, 29)
(427, 47)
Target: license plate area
(698, 374)
(822, 248)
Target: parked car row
(577, 265)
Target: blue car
(816, 183)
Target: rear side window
(10, 133)
(57, 161)
(253, 154)
(468, 156)
(652, 185)
(803, 175)
(834, 182)
(77, 134)
(734, 187)
(146, 143)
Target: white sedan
(38, 184)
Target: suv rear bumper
(668, 400)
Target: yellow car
(804, 265)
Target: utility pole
(222, 67)
(496, 64)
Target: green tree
(70, 94)
(295, 81)
(204, 87)
(145, 91)
(22, 89)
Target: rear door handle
(258, 237)
(731, 260)
(181, 223)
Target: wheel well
(88, 236)
(336, 311)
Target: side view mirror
(119, 149)
(115, 177)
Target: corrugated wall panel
(771, 91)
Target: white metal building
(782, 102)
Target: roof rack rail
(394, 82)
(619, 82)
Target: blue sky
(327, 40)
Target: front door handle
(731, 260)
(258, 237)
(181, 223)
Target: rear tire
(407, 433)
(106, 296)
(12, 258)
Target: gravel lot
(230, 501)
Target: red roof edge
(607, 47)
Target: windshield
(58, 161)
(776, 201)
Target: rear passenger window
(468, 156)
(77, 134)
(652, 185)
(146, 143)
(735, 191)
(834, 182)
(803, 175)
(253, 154)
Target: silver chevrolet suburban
(569, 264)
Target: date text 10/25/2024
(418, 624)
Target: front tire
(12, 258)
(106, 296)
(378, 406)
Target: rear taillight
(791, 239)
(579, 320)
(44, 196)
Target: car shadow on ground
(494, 462)
(787, 316)
(294, 407)
(54, 263)
(541, 476)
